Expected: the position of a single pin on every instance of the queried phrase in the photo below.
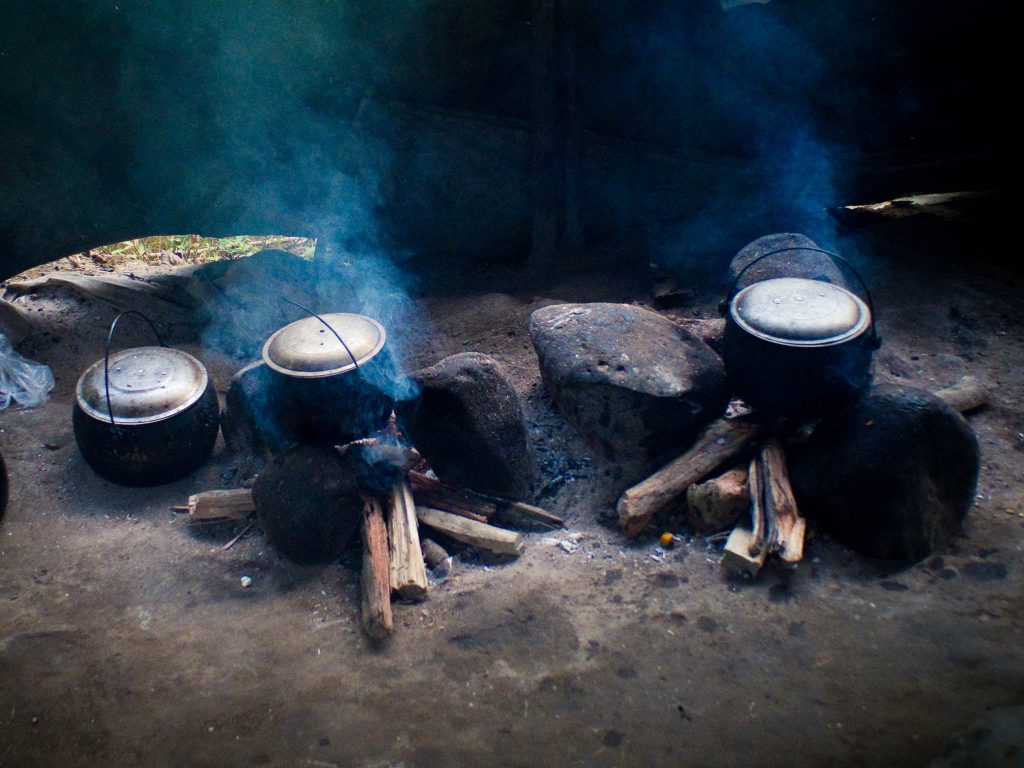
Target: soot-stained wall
(431, 127)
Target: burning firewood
(480, 507)
(481, 535)
(721, 441)
(377, 619)
(408, 574)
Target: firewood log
(786, 527)
(408, 573)
(966, 395)
(744, 555)
(479, 535)
(377, 619)
(219, 505)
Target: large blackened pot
(797, 348)
(146, 415)
(333, 379)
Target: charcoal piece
(629, 378)
(469, 426)
(811, 265)
(308, 503)
(891, 476)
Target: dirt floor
(128, 639)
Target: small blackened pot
(333, 377)
(796, 348)
(146, 415)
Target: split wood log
(408, 573)
(716, 504)
(721, 441)
(744, 554)
(377, 619)
(467, 531)
(219, 505)
(966, 395)
(431, 492)
(785, 527)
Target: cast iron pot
(797, 348)
(146, 415)
(332, 377)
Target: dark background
(536, 131)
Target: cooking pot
(796, 347)
(146, 415)
(333, 377)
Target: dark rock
(469, 426)
(308, 503)
(627, 376)
(891, 476)
(249, 423)
(798, 263)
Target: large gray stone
(892, 476)
(469, 426)
(627, 376)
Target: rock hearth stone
(799, 263)
(308, 503)
(469, 426)
(892, 476)
(627, 376)
(248, 422)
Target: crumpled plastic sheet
(22, 380)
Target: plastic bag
(23, 380)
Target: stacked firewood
(774, 527)
(394, 558)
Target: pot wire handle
(355, 363)
(836, 259)
(106, 355)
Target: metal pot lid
(797, 312)
(147, 384)
(309, 349)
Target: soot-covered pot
(146, 415)
(796, 347)
(333, 377)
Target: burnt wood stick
(786, 526)
(377, 619)
(478, 506)
(721, 441)
(737, 558)
(408, 573)
(230, 504)
(480, 535)
(966, 395)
